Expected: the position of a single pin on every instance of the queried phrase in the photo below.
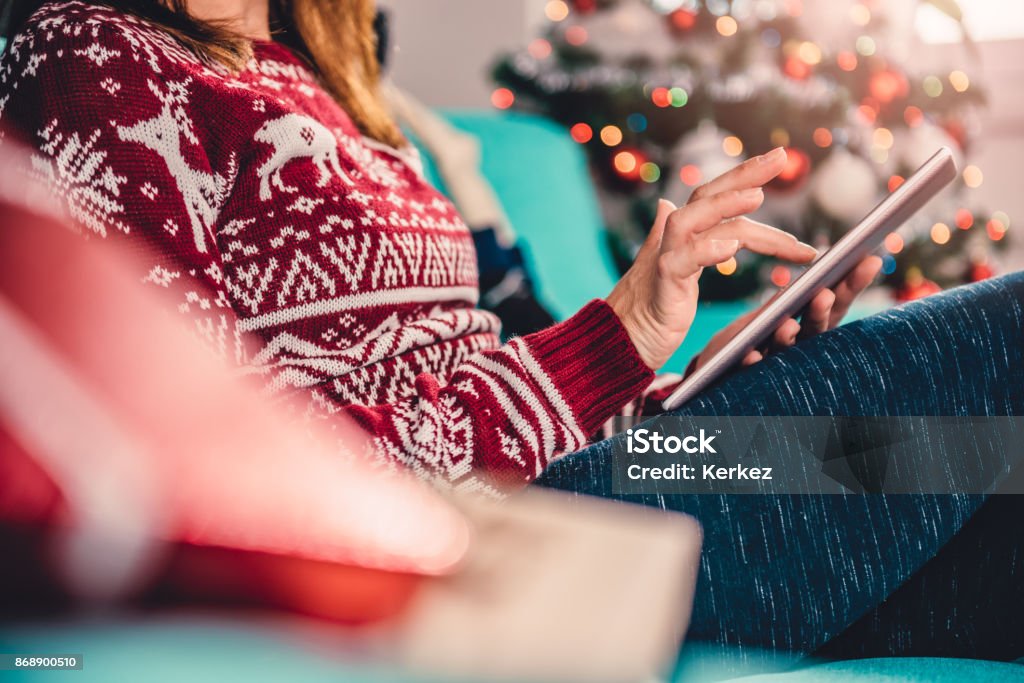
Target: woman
(242, 145)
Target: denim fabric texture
(789, 573)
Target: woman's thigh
(791, 571)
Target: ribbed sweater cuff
(593, 363)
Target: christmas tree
(665, 94)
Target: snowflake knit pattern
(316, 258)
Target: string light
(860, 15)
(650, 172)
(846, 60)
(913, 116)
(780, 276)
(502, 98)
(678, 97)
(726, 25)
(959, 80)
(625, 163)
(893, 243)
(727, 267)
(637, 122)
(964, 219)
(822, 137)
(932, 86)
(997, 225)
(690, 175)
(865, 46)
(940, 233)
(539, 48)
(973, 176)
(581, 133)
(661, 97)
(809, 52)
(576, 35)
(882, 138)
(611, 135)
(732, 146)
(556, 10)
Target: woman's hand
(825, 311)
(656, 300)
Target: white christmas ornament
(703, 148)
(921, 142)
(844, 185)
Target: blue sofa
(542, 179)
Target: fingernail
(730, 246)
(808, 246)
(774, 155)
(752, 193)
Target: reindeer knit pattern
(313, 257)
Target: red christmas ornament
(979, 271)
(957, 131)
(794, 173)
(887, 85)
(916, 286)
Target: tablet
(827, 271)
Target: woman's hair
(337, 36)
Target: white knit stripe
(551, 393)
(529, 397)
(520, 423)
(349, 302)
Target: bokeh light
(940, 233)
(726, 25)
(611, 135)
(865, 45)
(779, 137)
(650, 172)
(894, 182)
(637, 122)
(882, 138)
(932, 86)
(661, 97)
(822, 137)
(690, 175)
(625, 162)
(846, 60)
(809, 52)
(780, 276)
(581, 133)
(539, 49)
(913, 116)
(502, 98)
(678, 97)
(727, 267)
(556, 10)
(973, 177)
(576, 35)
(860, 14)
(894, 243)
(959, 80)
(732, 146)
(964, 219)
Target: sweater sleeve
(129, 154)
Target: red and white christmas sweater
(312, 256)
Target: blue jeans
(792, 572)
